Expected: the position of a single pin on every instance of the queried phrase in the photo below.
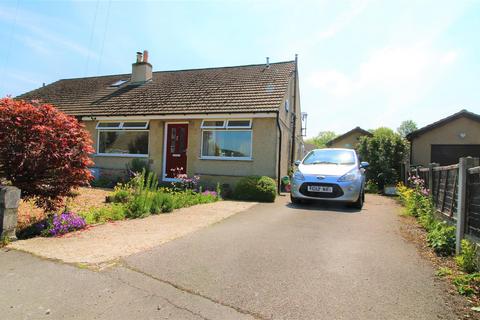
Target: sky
(361, 63)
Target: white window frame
(120, 128)
(249, 126)
(227, 129)
(203, 126)
(121, 125)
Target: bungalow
(218, 123)
(349, 139)
(446, 140)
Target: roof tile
(253, 88)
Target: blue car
(330, 174)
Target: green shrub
(444, 272)
(371, 187)
(467, 260)
(188, 198)
(256, 188)
(138, 166)
(385, 151)
(162, 203)
(143, 181)
(111, 212)
(441, 238)
(425, 213)
(467, 284)
(4, 241)
(141, 205)
(121, 195)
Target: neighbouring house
(219, 123)
(307, 147)
(446, 140)
(349, 139)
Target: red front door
(176, 153)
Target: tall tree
(406, 127)
(385, 151)
(44, 152)
(320, 141)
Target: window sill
(121, 155)
(226, 158)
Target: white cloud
(395, 70)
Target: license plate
(319, 189)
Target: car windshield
(330, 156)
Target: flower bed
(441, 238)
(141, 196)
(138, 198)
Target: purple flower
(63, 223)
(210, 193)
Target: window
(213, 124)
(135, 125)
(109, 125)
(246, 124)
(227, 139)
(118, 83)
(123, 138)
(123, 125)
(330, 156)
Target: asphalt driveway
(273, 261)
(304, 262)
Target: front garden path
(104, 243)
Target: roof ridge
(454, 116)
(228, 67)
(180, 70)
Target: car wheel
(361, 199)
(295, 200)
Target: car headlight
(349, 176)
(298, 175)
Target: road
(274, 261)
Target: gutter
(294, 110)
(199, 115)
(279, 163)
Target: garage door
(446, 154)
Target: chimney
(268, 62)
(142, 69)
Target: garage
(446, 154)
(446, 140)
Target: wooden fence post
(464, 165)
(430, 179)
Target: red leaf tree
(43, 151)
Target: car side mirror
(297, 163)
(364, 164)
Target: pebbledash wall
(264, 144)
